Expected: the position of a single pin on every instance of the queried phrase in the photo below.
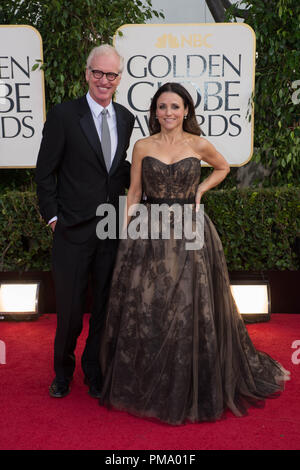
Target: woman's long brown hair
(190, 124)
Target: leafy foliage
(24, 241)
(256, 233)
(258, 227)
(277, 118)
(70, 29)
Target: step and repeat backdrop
(214, 61)
(22, 97)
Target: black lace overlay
(174, 345)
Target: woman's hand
(220, 167)
(198, 197)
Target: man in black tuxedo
(81, 164)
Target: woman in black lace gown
(174, 345)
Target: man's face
(101, 89)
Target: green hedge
(25, 240)
(258, 228)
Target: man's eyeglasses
(111, 76)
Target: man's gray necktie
(105, 139)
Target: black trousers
(73, 265)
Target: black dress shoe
(59, 389)
(94, 389)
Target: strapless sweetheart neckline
(174, 163)
(172, 332)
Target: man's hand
(53, 224)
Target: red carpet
(31, 420)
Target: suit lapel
(88, 126)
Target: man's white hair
(104, 49)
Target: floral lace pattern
(174, 345)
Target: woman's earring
(185, 116)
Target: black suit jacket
(72, 179)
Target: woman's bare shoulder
(201, 144)
(199, 141)
(142, 145)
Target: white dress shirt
(96, 110)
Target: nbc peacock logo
(175, 42)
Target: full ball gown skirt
(174, 345)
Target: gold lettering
(188, 41)
(193, 40)
(205, 43)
